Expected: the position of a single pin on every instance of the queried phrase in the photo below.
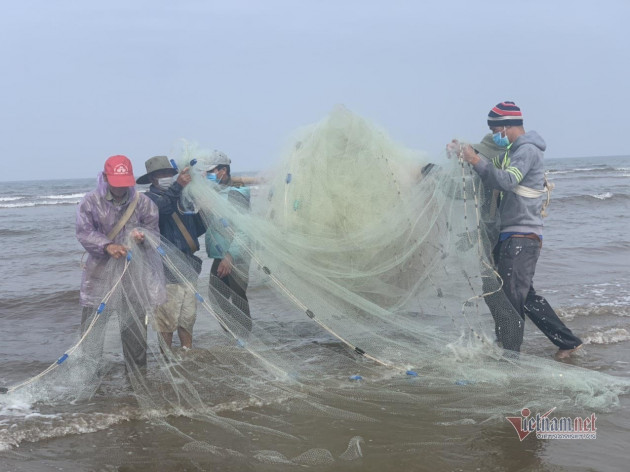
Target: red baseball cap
(119, 172)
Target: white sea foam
(13, 408)
(39, 203)
(457, 422)
(609, 336)
(573, 171)
(34, 429)
(603, 196)
(9, 199)
(615, 309)
(18, 205)
(61, 197)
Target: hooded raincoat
(96, 217)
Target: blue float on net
(411, 373)
(289, 178)
(464, 382)
(356, 377)
(174, 164)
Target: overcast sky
(83, 80)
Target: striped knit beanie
(505, 114)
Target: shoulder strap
(130, 209)
(189, 240)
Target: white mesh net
(375, 256)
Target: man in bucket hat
(518, 174)
(181, 229)
(109, 221)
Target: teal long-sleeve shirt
(220, 238)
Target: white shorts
(180, 310)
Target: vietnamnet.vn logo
(553, 428)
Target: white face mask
(165, 182)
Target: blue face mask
(212, 177)
(499, 140)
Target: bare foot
(566, 353)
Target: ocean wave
(587, 197)
(595, 169)
(39, 203)
(594, 311)
(21, 307)
(9, 199)
(578, 170)
(610, 336)
(13, 232)
(30, 425)
(35, 428)
(73, 195)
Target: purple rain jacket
(96, 216)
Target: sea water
(582, 271)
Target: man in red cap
(110, 221)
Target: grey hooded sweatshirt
(523, 165)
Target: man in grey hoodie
(519, 176)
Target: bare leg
(185, 338)
(166, 341)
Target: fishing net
(366, 268)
